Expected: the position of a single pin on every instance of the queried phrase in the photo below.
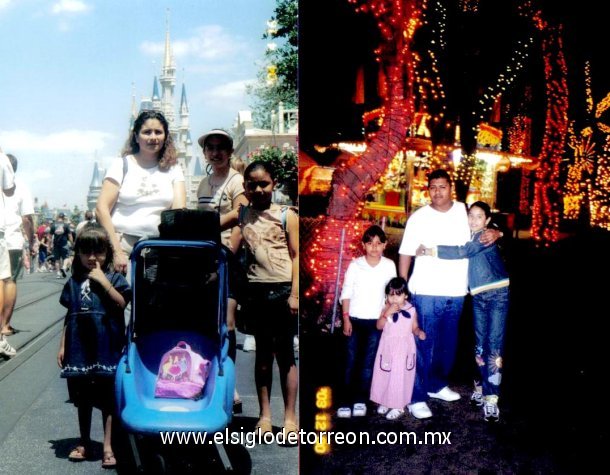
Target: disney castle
(162, 99)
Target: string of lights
(546, 210)
(504, 80)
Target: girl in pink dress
(394, 371)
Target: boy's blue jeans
(490, 309)
(438, 317)
(361, 351)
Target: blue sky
(68, 67)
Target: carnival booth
(498, 178)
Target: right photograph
(454, 203)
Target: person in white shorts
(7, 183)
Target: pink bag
(182, 373)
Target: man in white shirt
(438, 287)
(19, 211)
(7, 187)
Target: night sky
(334, 42)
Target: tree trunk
(353, 179)
(547, 192)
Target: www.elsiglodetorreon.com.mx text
(250, 439)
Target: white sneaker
(382, 410)
(6, 349)
(490, 409)
(420, 410)
(344, 412)
(295, 343)
(394, 414)
(249, 343)
(445, 394)
(359, 409)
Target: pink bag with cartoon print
(182, 373)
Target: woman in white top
(139, 186)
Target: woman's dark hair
(92, 238)
(167, 154)
(373, 231)
(266, 166)
(396, 286)
(484, 206)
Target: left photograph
(149, 237)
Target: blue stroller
(179, 294)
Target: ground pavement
(552, 403)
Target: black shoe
(237, 407)
(63, 273)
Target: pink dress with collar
(394, 370)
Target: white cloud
(4, 3)
(66, 142)
(226, 97)
(230, 90)
(210, 43)
(38, 176)
(69, 6)
(63, 26)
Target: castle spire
(184, 107)
(155, 94)
(168, 79)
(134, 107)
(156, 98)
(96, 180)
(96, 185)
(167, 57)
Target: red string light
(397, 21)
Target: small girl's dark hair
(259, 164)
(396, 286)
(373, 231)
(92, 238)
(484, 206)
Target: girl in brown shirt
(270, 234)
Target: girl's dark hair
(373, 231)
(484, 206)
(167, 154)
(396, 286)
(92, 238)
(266, 166)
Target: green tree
(277, 80)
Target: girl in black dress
(93, 336)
